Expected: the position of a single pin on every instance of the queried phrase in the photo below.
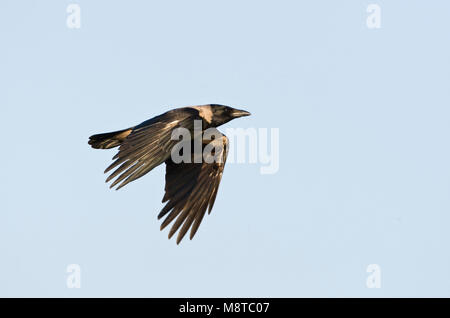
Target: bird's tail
(109, 140)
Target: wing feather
(148, 145)
(191, 189)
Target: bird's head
(221, 114)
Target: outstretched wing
(148, 145)
(191, 188)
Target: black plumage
(191, 187)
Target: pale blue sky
(364, 155)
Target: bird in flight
(191, 186)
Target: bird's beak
(240, 113)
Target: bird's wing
(148, 145)
(191, 189)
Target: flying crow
(191, 186)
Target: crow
(191, 186)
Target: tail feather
(109, 140)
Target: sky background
(363, 116)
